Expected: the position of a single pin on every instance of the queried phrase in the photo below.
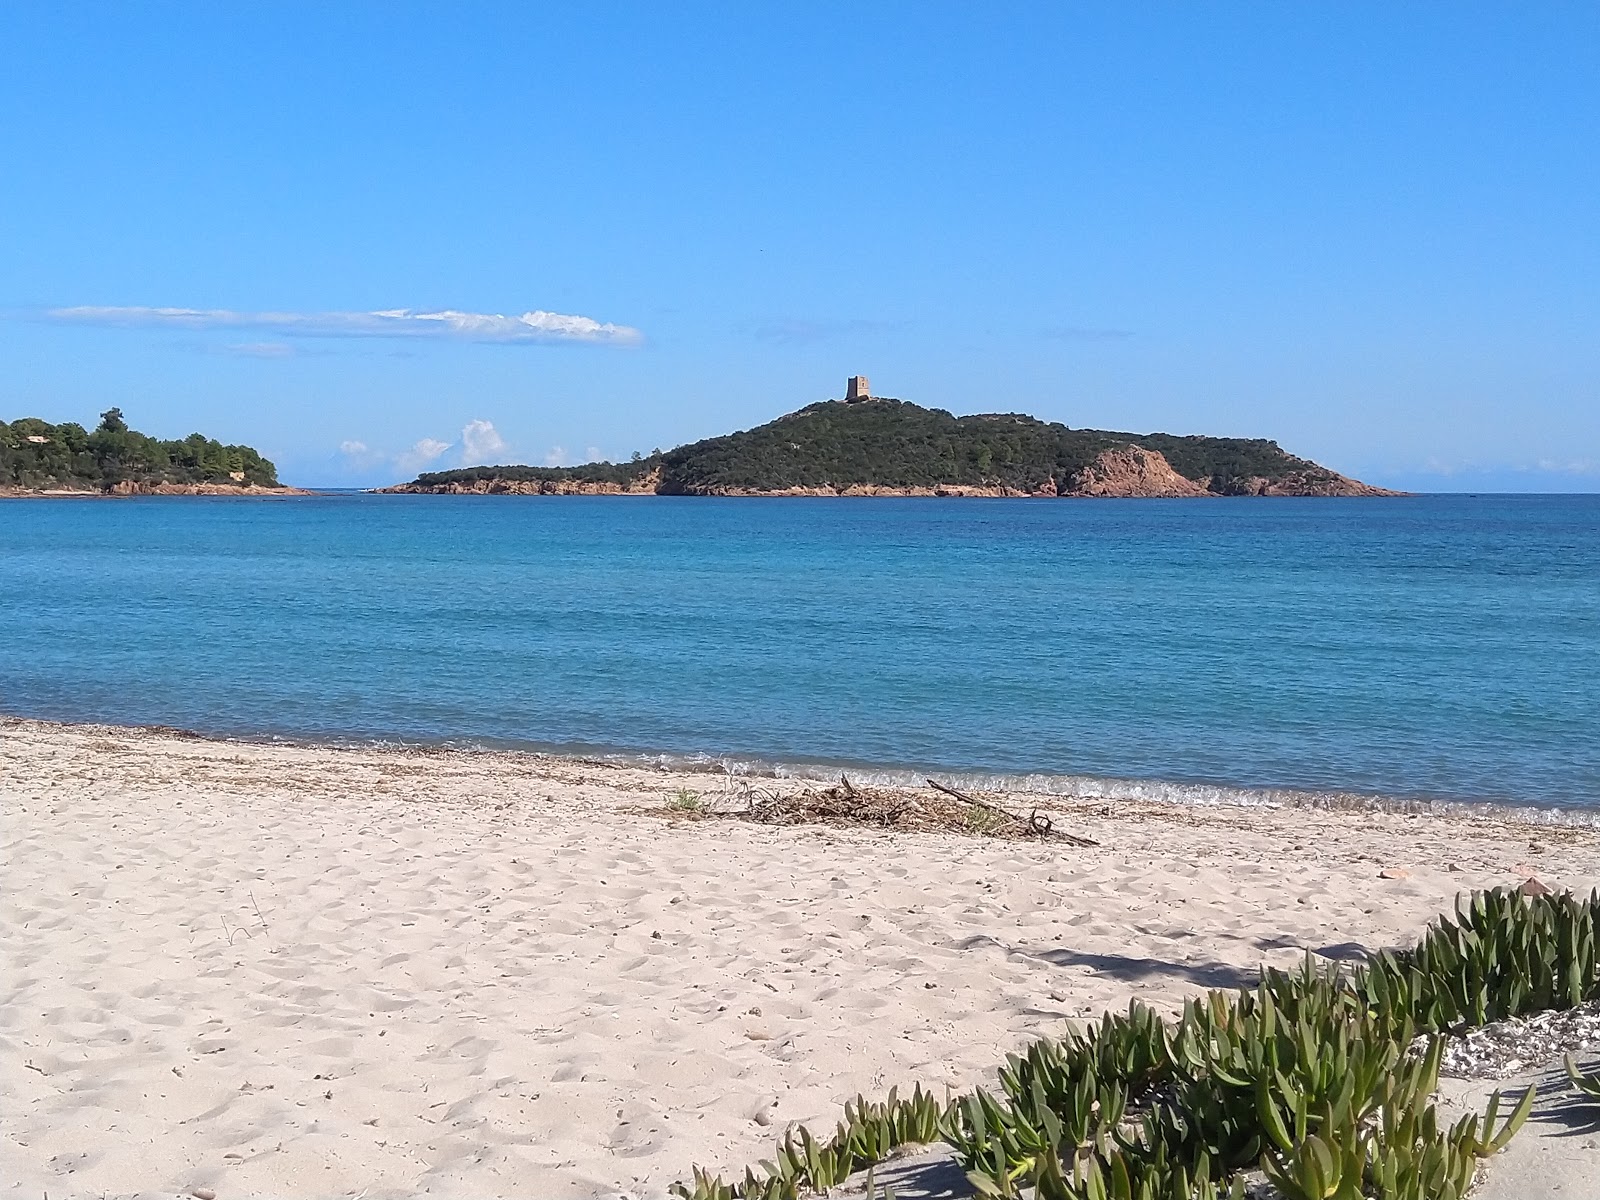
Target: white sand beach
(264, 970)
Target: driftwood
(846, 805)
(1036, 822)
(966, 799)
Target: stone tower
(857, 389)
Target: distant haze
(372, 245)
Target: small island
(873, 446)
(41, 459)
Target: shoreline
(137, 491)
(1178, 794)
(858, 491)
(264, 968)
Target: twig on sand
(257, 907)
(966, 799)
(1039, 824)
(846, 805)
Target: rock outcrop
(648, 484)
(868, 489)
(131, 488)
(1132, 471)
(1313, 481)
(1126, 472)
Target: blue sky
(1369, 231)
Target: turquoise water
(1441, 647)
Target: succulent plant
(866, 1136)
(1504, 954)
(1310, 1075)
(1588, 1086)
(1314, 1169)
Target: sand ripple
(273, 970)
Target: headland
(876, 446)
(39, 459)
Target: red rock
(1133, 471)
(1532, 887)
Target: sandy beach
(272, 970)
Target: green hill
(890, 446)
(38, 456)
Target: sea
(1437, 650)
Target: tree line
(35, 454)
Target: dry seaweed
(941, 809)
(1524, 1043)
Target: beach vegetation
(1503, 955)
(37, 455)
(981, 820)
(1322, 1079)
(867, 1135)
(1588, 1086)
(686, 802)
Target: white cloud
(480, 441)
(1548, 466)
(446, 324)
(591, 453)
(359, 456)
(480, 445)
(557, 457)
(421, 454)
(1580, 466)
